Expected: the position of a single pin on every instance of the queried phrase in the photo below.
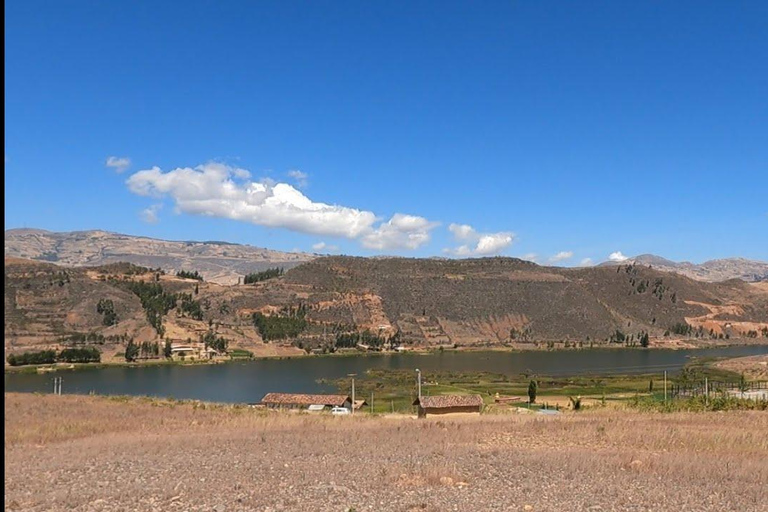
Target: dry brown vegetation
(481, 303)
(92, 453)
(753, 367)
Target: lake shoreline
(359, 353)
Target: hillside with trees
(337, 303)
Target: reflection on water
(249, 381)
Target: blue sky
(577, 129)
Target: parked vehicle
(340, 410)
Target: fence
(751, 389)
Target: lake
(247, 382)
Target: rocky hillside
(219, 262)
(331, 302)
(710, 271)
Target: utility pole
(57, 385)
(418, 373)
(665, 386)
(706, 390)
(353, 391)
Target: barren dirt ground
(93, 453)
(753, 367)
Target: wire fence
(747, 389)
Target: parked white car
(339, 410)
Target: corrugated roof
(443, 401)
(300, 399)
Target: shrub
(240, 353)
(575, 402)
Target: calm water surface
(248, 381)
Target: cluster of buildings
(192, 351)
(434, 405)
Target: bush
(575, 402)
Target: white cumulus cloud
(322, 246)
(218, 190)
(400, 232)
(617, 256)
(462, 232)
(149, 215)
(562, 255)
(493, 243)
(586, 262)
(478, 244)
(119, 164)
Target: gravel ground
(90, 453)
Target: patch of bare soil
(92, 453)
(753, 367)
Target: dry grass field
(94, 453)
(753, 367)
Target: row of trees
(145, 350)
(80, 355)
(352, 339)
(188, 274)
(68, 355)
(256, 277)
(93, 337)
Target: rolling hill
(484, 302)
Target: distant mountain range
(710, 271)
(224, 262)
(219, 262)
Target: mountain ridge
(221, 262)
(226, 262)
(715, 270)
